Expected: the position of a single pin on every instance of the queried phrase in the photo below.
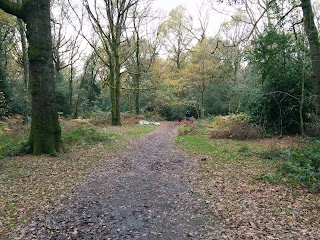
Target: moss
(45, 139)
(37, 54)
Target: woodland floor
(146, 192)
(153, 190)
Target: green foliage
(99, 117)
(10, 77)
(3, 106)
(299, 167)
(185, 130)
(281, 65)
(11, 145)
(86, 134)
(275, 154)
(244, 149)
(62, 96)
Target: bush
(3, 105)
(100, 118)
(236, 127)
(12, 147)
(300, 167)
(86, 134)
(313, 127)
(13, 136)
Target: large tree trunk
(313, 38)
(45, 135)
(117, 74)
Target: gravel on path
(146, 192)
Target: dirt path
(147, 192)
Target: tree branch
(287, 13)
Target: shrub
(100, 118)
(3, 105)
(13, 136)
(236, 127)
(186, 130)
(300, 167)
(86, 134)
(313, 127)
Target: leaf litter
(154, 191)
(251, 208)
(145, 192)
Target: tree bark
(313, 39)
(117, 72)
(45, 134)
(203, 88)
(137, 74)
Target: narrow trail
(146, 192)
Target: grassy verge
(249, 207)
(29, 184)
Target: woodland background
(258, 63)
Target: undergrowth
(235, 126)
(296, 167)
(87, 134)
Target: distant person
(187, 116)
(179, 118)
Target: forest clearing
(206, 189)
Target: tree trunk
(313, 38)
(137, 95)
(71, 89)
(117, 120)
(137, 75)
(113, 100)
(202, 101)
(45, 135)
(117, 74)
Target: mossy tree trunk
(116, 50)
(112, 36)
(45, 134)
(314, 43)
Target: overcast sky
(192, 6)
(168, 5)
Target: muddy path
(146, 192)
